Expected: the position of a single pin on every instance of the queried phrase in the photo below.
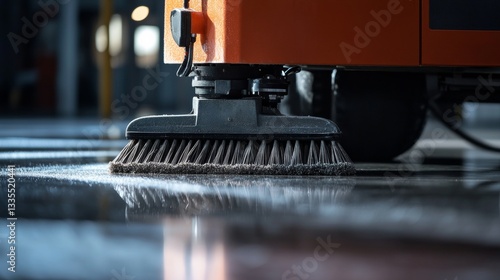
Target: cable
(187, 64)
(185, 68)
(478, 143)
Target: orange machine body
(329, 32)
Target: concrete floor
(430, 217)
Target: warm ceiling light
(140, 13)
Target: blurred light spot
(147, 45)
(114, 132)
(140, 13)
(146, 40)
(101, 40)
(115, 35)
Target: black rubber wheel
(381, 114)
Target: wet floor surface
(439, 219)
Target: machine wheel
(381, 114)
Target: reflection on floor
(430, 217)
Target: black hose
(474, 141)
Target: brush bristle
(261, 156)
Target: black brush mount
(233, 81)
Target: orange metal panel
(458, 47)
(309, 32)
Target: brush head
(202, 156)
(232, 137)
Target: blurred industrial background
(53, 52)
